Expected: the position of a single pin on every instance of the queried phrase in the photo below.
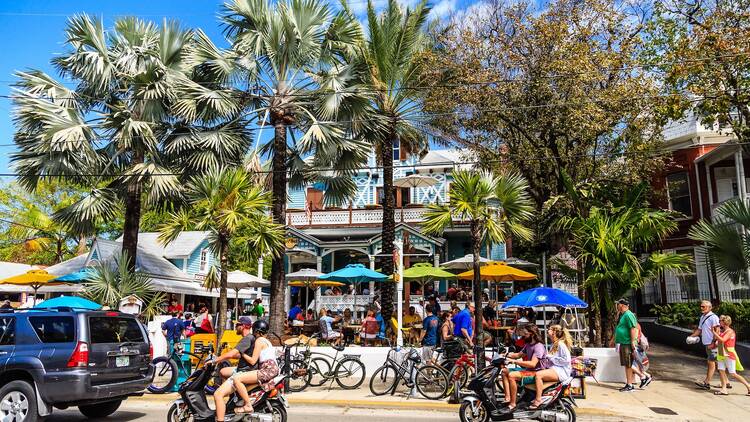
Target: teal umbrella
(76, 277)
(354, 273)
(74, 302)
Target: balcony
(351, 217)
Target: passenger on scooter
(264, 355)
(533, 354)
(244, 346)
(559, 356)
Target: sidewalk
(671, 397)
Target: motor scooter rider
(534, 357)
(246, 346)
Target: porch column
(372, 267)
(260, 267)
(739, 166)
(288, 290)
(319, 266)
(436, 263)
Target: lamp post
(399, 261)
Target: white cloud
(444, 8)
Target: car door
(7, 338)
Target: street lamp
(399, 261)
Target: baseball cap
(623, 302)
(245, 320)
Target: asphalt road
(157, 412)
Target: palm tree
(727, 241)
(494, 206)
(611, 244)
(294, 54)
(393, 55)
(127, 127)
(228, 205)
(109, 284)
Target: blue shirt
(173, 327)
(462, 320)
(430, 324)
(294, 312)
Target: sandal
(243, 409)
(703, 385)
(721, 393)
(535, 405)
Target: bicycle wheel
(299, 378)
(350, 373)
(383, 379)
(320, 370)
(431, 382)
(165, 375)
(459, 375)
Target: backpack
(642, 339)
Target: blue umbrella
(76, 277)
(70, 302)
(542, 296)
(354, 273)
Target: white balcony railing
(351, 217)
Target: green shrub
(686, 315)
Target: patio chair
(310, 328)
(369, 333)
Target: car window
(7, 331)
(54, 329)
(114, 330)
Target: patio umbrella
(518, 262)
(313, 284)
(239, 280)
(306, 275)
(414, 181)
(464, 263)
(498, 271)
(33, 278)
(354, 273)
(74, 302)
(423, 272)
(545, 296)
(76, 277)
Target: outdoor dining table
(498, 333)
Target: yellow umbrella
(33, 278)
(315, 283)
(498, 271)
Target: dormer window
(203, 261)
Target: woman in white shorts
(727, 360)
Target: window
(404, 197)
(54, 329)
(678, 191)
(7, 331)
(114, 330)
(688, 279)
(204, 261)
(396, 150)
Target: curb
(375, 404)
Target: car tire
(100, 410)
(21, 396)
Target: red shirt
(175, 308)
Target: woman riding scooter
(560, 358)
(533, 354)
(265, 355)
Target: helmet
(260, 327)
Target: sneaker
(645, 382)
(627, 389)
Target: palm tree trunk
(81, 245)
(278, 283)
(596, 318)
(476, 245)
(388, 233)
(58, 251)
(223, 260)
(132, 218)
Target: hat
(246, 321)
(623, 302)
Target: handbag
(583, 367)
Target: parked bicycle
(167, 368)
(429, 380)
(348, 370)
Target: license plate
(121, 361)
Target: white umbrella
(305, 274)
(239, 280)
(464, 263)
(414, 181)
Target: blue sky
(32, 34)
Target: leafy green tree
(495, 207)
(547, 87)
(228, 205)
(701, 49)
(109, 284)
(394, 55)
(294, 56)
(727, 241)
(127, 128)
(612, 244)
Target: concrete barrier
(675, 336)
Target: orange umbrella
(498, 271)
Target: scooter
(481, 403)
(192, 406)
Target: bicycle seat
(338, 348)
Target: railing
(356, 216)
(687, 296)
(715, 206)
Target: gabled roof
(182, 247)
(146, 261)
(9, 269)
(70, 266)
(405, 227)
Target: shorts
(712, 354)
(527, 376)
(729, 365)
(626, 354)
